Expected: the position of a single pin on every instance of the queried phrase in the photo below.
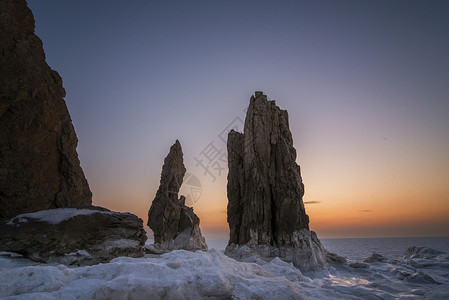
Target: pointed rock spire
(175, 225)
(265, 189)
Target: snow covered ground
(181, 274)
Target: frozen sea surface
(361, 248)
(421, 274)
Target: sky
(365, 83)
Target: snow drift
(212, 275)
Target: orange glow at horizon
(355, 197)
(338, 217)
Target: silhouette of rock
(265, 209)
(39, 166)
(175, 225)
(74, 236)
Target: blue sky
(365, 84)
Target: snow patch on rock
(54, 216)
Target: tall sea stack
(175, 225)
(265, 210)
(39, 166)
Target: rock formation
(40, 174)
(39, 166)
(74, 236)
(175, 225)
(265, 210)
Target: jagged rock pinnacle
(265, 189)
(175, 226)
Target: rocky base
(83, 236)
(190, 238)
(306, 253)
(186, 240)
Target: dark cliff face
(39, 166)
(265, 187)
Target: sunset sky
(366, 85)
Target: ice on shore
(176, 275)
(212, 275)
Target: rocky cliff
(39, 166)
(175, 225)
(265, 210)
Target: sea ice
(176, 275)
(198, 275)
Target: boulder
(335, 258)
(39, 165)
(265, 208)
(175, 225)
(375, 258)
(82, 236)
(421, 252)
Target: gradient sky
(366, 85)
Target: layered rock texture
(39, 166)
(175, 225)
(266, 212)
(74, 236)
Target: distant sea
(393, 248)
(361, 248)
